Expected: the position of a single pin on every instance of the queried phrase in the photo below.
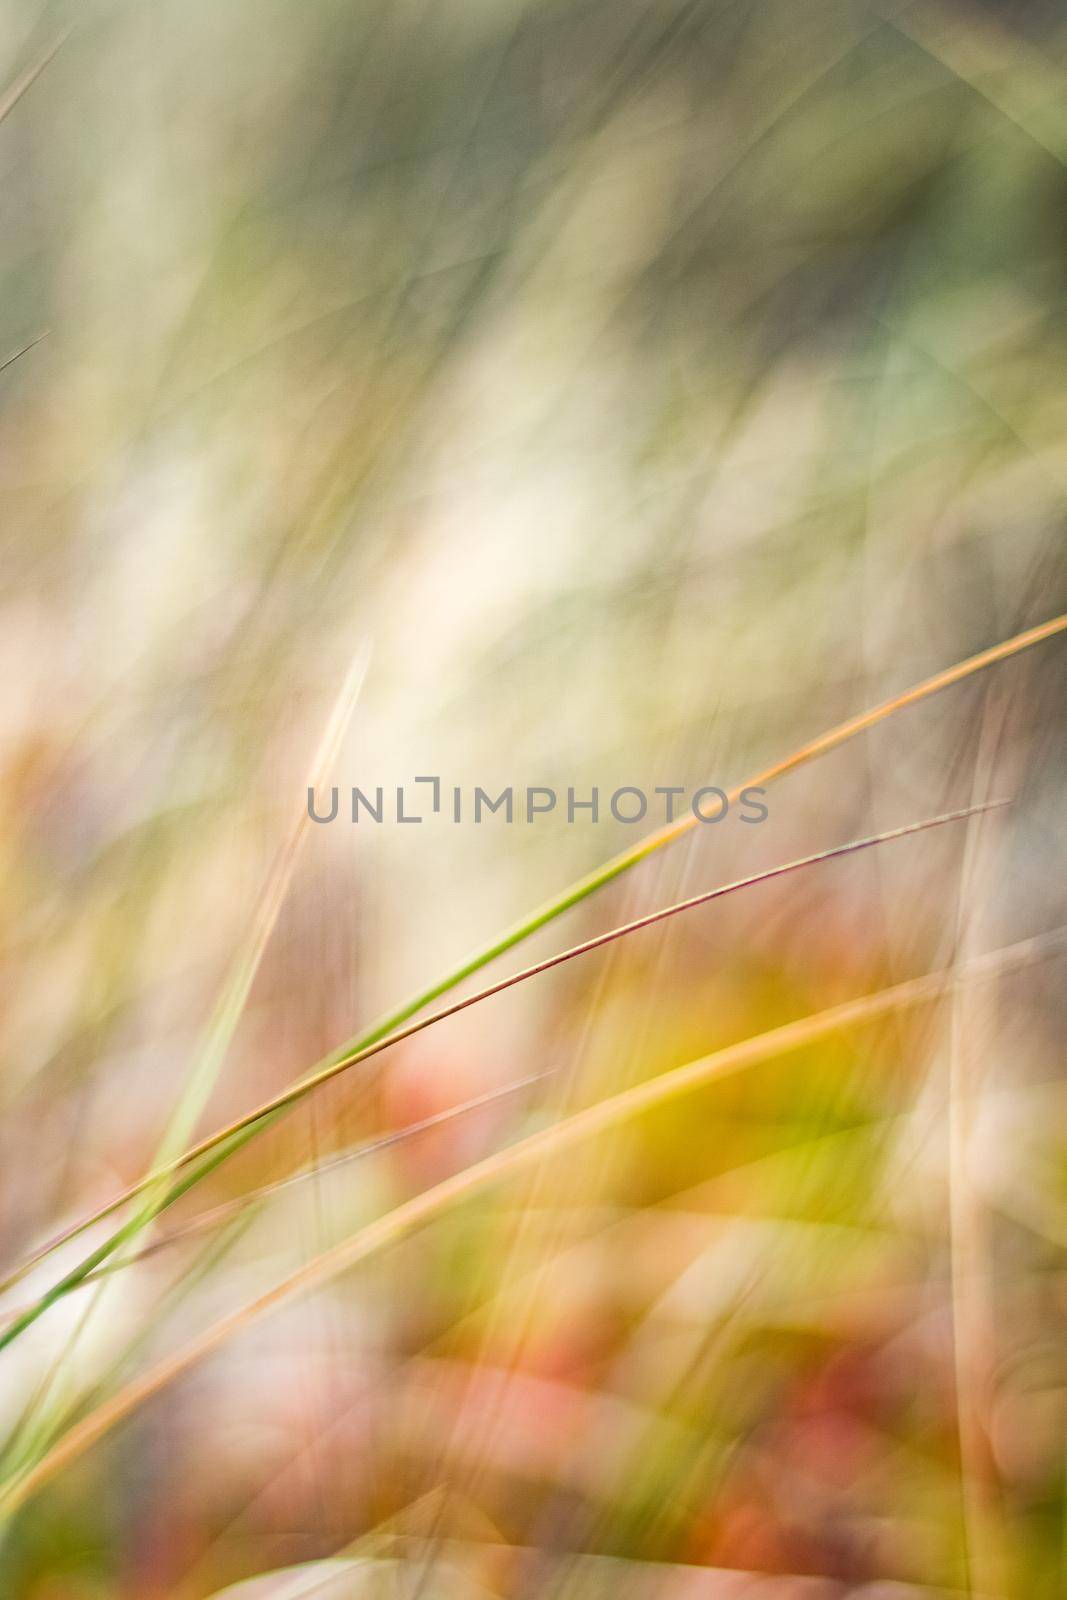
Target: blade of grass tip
(234, 997)
(547, 1143)
(16, 355)
(585, 886)
(11, 99)
(612, 869)
(218, 1146)
(231, 1003)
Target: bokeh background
(567, 392)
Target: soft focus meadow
(560, 393)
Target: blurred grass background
(631, 391)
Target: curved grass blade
(579, 891)
(371, 1147)
(475, 1180)
(14, 94)
(218, 1146)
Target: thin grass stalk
(348, 1053)
(548, 1143)
(217, 1147)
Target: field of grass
(545, 396)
